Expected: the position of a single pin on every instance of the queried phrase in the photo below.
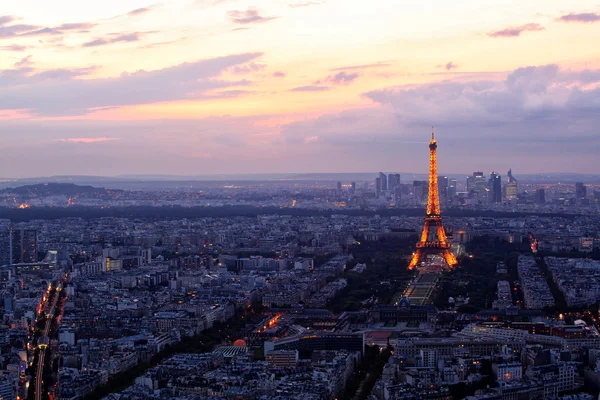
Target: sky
(194, 87)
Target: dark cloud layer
(60, 92)
(533, 120)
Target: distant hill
(53, 189)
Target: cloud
(16, 30)
(311, 139)
(117, 38)
(60, 92)
(361, 67)
(24, 30)
(25, 76)
(75, 26)
(87, 140)
(140, 11)
(306, 3)
(516, 31)
(250, 16)
(342, 78)
(14, 47)
(530, 95)
(24, 62)
(279, 74)
(450, 66)
(581, 17)
(534, 119)
(6, 19)
(42, 31)
(248, 68)
(309, 88)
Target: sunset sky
(193, 87)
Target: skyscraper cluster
(388, 184)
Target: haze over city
(192, 87)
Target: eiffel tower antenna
(433, 218)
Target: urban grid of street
(147, 294)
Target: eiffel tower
(433, 239)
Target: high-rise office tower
(452, 189)
(5, 247)
(377, 187)
(443, 182)
(420, 191)
(540, 196)
(18, 246)
(511, 178)
(495, 187)
(24, 246)
(353, 185)
(339, 186)
(384, 182)
(398, 195)
(476, 182)
(580, 190)
(512, 186)
(393, 182)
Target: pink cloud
(516, 31)
(87, 140)
(311, 139)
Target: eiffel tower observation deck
(433, 239)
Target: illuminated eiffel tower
(433, 239)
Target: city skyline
(228, 87)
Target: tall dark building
(420, 190)
(495, 186)
(443, 183)
(339, 186)
(398, 195)
(378, 187)
(452, 189)
(580, 190)
(5, 247)
(384, 182)
(353, 184)
(540, 196)
(18, 246)
(393, 182)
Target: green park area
(386, 274)
(476, 276)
